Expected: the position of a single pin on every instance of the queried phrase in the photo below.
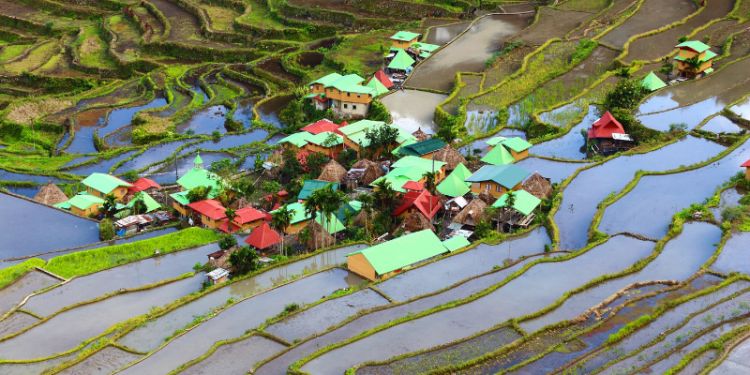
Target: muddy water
(653, 14)
(467, 53)
(655, 195)
(103, 362)
(243, 316)
(14, 293)
(69, 230)
(736, 255)
(206, 121)
(68, 329)
(16, 322)
(742, 109)
(412, 109)
(123, 116)
(152, 334)
(102, 166)
(680, 258)
(570, 145)
(737, 362)
(445, 33)
(129, 276)
(591, 186)
(269, 110)
(669, 320)
(721, 124)
(236, 358)
(327, 314)
(39, 179)
(519, 297)
(310, 59)
(169, 172)
(441, 274)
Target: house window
(354, 107)
(346, 106)
(499, 188)
(487, 187)
(348, 94)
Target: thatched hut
(420, 135)
(472, 214)
(415, 222)
(50, 195)
(333, 172)
(450, 156)
(538, 186)
(319, 236)
(364, 172)
(487, 198)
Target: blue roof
(506, 175)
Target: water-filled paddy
(102, 362)
(571, 145)
(721, 124)
(736, 362)
(236, 358)
(412, 109)
(651, 15)
(13, 294)
(735, 257)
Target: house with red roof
(143, 184)
(384, 79)
(211, 213)
(244, 220)
(413, 186)
(746, 165)
(322, 126)
(422, 202)
(607, 135)
(263, 237)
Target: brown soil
(652, 15)
(185, 27)
(310, 59)
(91, 117)
(27, 112)
(655, 46)
(553, 23)
(274, 67)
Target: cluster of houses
(406, 51)
(693, 58)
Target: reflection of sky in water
(691, 115)
(742, 109)
(207, 121)
(721, 124)
(658, 103)
(412, 109)
(569, 145)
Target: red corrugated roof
(425, 202)
(383, 78)
(746, 164)
(320, 126)
(605, 126)
(413, 186)
(142, 184)
(248, 215)
(210, 208)
(263, 237)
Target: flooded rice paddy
(571, 145)
(736, 362)
(14, 293)
(735, 257)
(652, 12)
(413, 110)
(721, 124)
(103, 362)
(236, 358)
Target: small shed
(363, 172)
(451, 157)
(333, 172)
(538, 186)
(746, 165)
(472, 214)
(218, 276)
(50, 195)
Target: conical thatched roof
(371, 171)
(450, 156)
(50, 195)
(318, 236)
(420, 135)
(332, 172)
(472, 213)
(362, 219)
(538, 186)
(415, 222)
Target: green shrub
(227, 242)
(10, 274)
(106, 230)
(627, 94)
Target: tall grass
(10, 274)
(86, 262)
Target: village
(586, 211)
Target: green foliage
(508, 48)
(382, 139)
(227, 241)
(12, 273)
(291, 168)
(634, 127)
(347, 158)
(232, 125)
(90, 261)
(106, 230)
(378, 112)
(293, 116)
(130, 175)
(198, 193)
(315, 163)
(583, 49)
(627, 94)
(244, 260)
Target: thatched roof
(487, 198)
(450, 156)
(318, 236)
(538, 186)
(362, 219)
(366, 171)
(420, 135)
(472, 213)
(415, 222)
(332, 172)
(50, 195)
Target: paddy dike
(15, 293)
(652, 15)
(236, 358)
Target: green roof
(402, 61)
(652, 83)
(377, 87)
(198, 160)
(298, 212)
(516, 144)
(327, 80)
(360, 126)
(312, 185)
(399, 176)
(455, 243)
(335, 224)
(151, 203)
(499, 155)
(455, 184)
(695, 45)
(181, 197)
(84, 201)
(405, 36)
(525, 202)
(103, 182)
(425, 47)
(708, 56)
(200, 177)
(506, 175)
(425, 165)
(321, 139)
(495, 140)
(403, 251)
(62, 205)
(356, 132)
(299, 139)
(423, 148)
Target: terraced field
(637, 263)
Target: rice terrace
(374, 187)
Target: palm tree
(109, 207)
(331, 201)
(230, 214)
(139, 206)
(384, 195)
(281, 219)
(429, 181)
(510, 201)
(313, 205)
(367, 205)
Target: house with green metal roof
(404, 39)
(355, 134)
(424, 50)
(310, 186)
(378, 87)
(496, 180)
(506, 150)
(694, 58)
(102, 184)
(298, 140)
(498, 155)
(652, 82)
(330, 224)
(389, 258)
(345, 95)
(82, 204)
(456, 243)
(524, 202)
(455, 184)
(424, 149)
(300, 218)
(412, 168)
(195, 177)
(401, 62)
(149, 202)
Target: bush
(244, 260)
(106, 230)
(626, 94)
(227, 242)
(233, 125)
(378, 112)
